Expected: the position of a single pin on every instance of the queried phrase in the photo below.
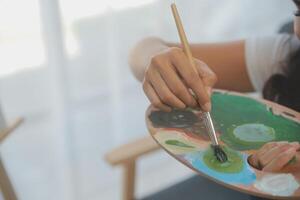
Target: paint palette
(243, 125)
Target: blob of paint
(245, 177)
(249, 136)
(175, 142)
(254, 133)
(178, 143)
(234, 163)
(277, 184)
(174, 119)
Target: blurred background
(63, 67)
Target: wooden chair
(6, 186)
(126, 156)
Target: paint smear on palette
(234, 163)
(234, 116)
(277, 184)
(234, 173)
(188, 120)
(174, 119)
(176, 142)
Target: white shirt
(268, 55)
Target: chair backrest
(2, 119)
(6, 188)
(7, 129)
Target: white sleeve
(267, 55)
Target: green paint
(234, 164)
(178, 143)
(230, 112)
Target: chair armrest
(131, 151)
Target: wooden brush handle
(188, 53)
(183, 39)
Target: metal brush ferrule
(211, 130)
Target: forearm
(227, 60)
(141, 54)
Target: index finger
(281, 160)
(193, 80)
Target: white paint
(278, 184)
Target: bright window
(21, 43)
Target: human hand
(170, 76)
(274, 156)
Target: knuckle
(253, 159)
(192, 79)
(145, 85)
(159, 62)
(213, 78)
(147, 73)
(261, 162)
(175, 52)
(180, 91)
(156, 61)
(166, 98)
(157, 103)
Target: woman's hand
(274, 156)
(169, 78)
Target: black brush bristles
(219, 153)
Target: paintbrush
(218, 151)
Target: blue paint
(245, 177)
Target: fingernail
(169, 110)
(208, 90)
(181, 105)
(207, 107)
(193, 102)
(166, 109)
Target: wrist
(141, 54)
